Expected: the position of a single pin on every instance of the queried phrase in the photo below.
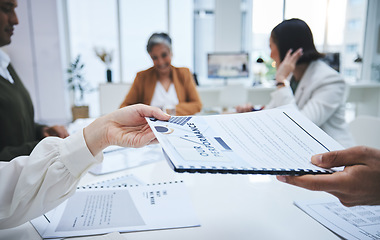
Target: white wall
(36, 56)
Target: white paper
(352, 223)
(273, 139)
(122, 181)
(124, 209)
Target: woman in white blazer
(303, 79)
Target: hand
(358, 184)
(125, 127)
(244, 108)
(288, 65)
(55, 131)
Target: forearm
(37, 183)
(95, 135)
(280, 97)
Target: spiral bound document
(92, 211)
(276, 141)
(122, 181)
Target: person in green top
(19, 134)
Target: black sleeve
(8, 153)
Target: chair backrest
(111, 95)
(366, 131)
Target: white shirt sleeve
(33, 185)
(280, 97)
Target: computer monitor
(228, 65)
(333, 60)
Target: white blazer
(320, 96)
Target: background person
(164, 85)
(33, 185)
(303, 79)
(19, 134)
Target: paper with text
(124, 209)
(274, 139)
(352, 223)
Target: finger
(146, 138)
(61, 131)
(328, 182)
(347, 157)
(64, 132)
(288, 54)
(148, 111)
(154, 141)
(296, 55)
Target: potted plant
(78, 87)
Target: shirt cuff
(76, 156)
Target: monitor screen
(228, 65)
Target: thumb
(347, 157)
(149, 111)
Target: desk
(228, 207)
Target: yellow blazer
(145, 82)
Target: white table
(228, 207)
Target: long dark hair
(294, 34)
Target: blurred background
(53, 33)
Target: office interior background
(51, 34)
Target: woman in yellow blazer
(163, 85)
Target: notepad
(92, 211)
(276, 141)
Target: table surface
(228, 207)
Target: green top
(19, 134)
(294, 85)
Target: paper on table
(126, 180)
(276, 141)
(125, 209)
(110, 236)
(352, 223)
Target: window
(350, 72)
(123, 28)
(332, 23)
(93, 23)
(352, 48)
(263, 22)
(353, 24)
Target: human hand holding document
(276, 141)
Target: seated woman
(163, 85)
(303, 79)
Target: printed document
(352, 223)
(124, 209)
(271, 142)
